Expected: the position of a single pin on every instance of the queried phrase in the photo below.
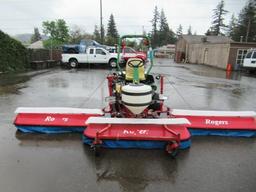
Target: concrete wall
(215, 55)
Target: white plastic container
(136, 97)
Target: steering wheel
(140, 63)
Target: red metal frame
(52, 119)
(168, 133)
(161, 84)
(222, 122)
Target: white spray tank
(136, 97)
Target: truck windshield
(95, 43)
(129, 50)
(248, 55)
(254, 55)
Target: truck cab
(250, 60)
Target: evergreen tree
(189, 30)
(179, 31)
(210, 32)
(165, 34)
(231, 26)
(246, 26)
(112, 33)
(96, 34)
(154, 33)
(36, 36)
(218, 20)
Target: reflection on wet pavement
(37, 162)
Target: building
(36, 45)
(216, 51)
(166, 51)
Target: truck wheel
(73, 63)
(112, 63)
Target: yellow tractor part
(129, 71)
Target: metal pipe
(101, 26)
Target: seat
(129, 70)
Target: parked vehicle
(83, 45)
(128, 52)
(94, 55)
(250, 60)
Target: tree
(96, 34)
(36, 36)
(189, 30)
(57, 30)
(210, 32)
(246, 25)
(165, 34)
(231, 26)
(218, 20)
(154, 33)
(77, 34)
(112, 33)
(179, 31)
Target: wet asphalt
(61, 163)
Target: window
(240, 56)
(254, 55)
(100, 52)
(249, 55)
(129, 50)
(91, 51)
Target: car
(128, 52)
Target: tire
(73, 63)
(112, 63)
(172, 152)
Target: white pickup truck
(92, 55)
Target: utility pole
(248, 30)
(101, 27)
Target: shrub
(13, 55)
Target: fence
(43, 58)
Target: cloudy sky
(20, 16)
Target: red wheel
(172, 148)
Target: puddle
(12, 83)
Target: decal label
(49, 119)
(139, 132)
(216, 122)
(52, 119)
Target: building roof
(208, 39)
(36, 45)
